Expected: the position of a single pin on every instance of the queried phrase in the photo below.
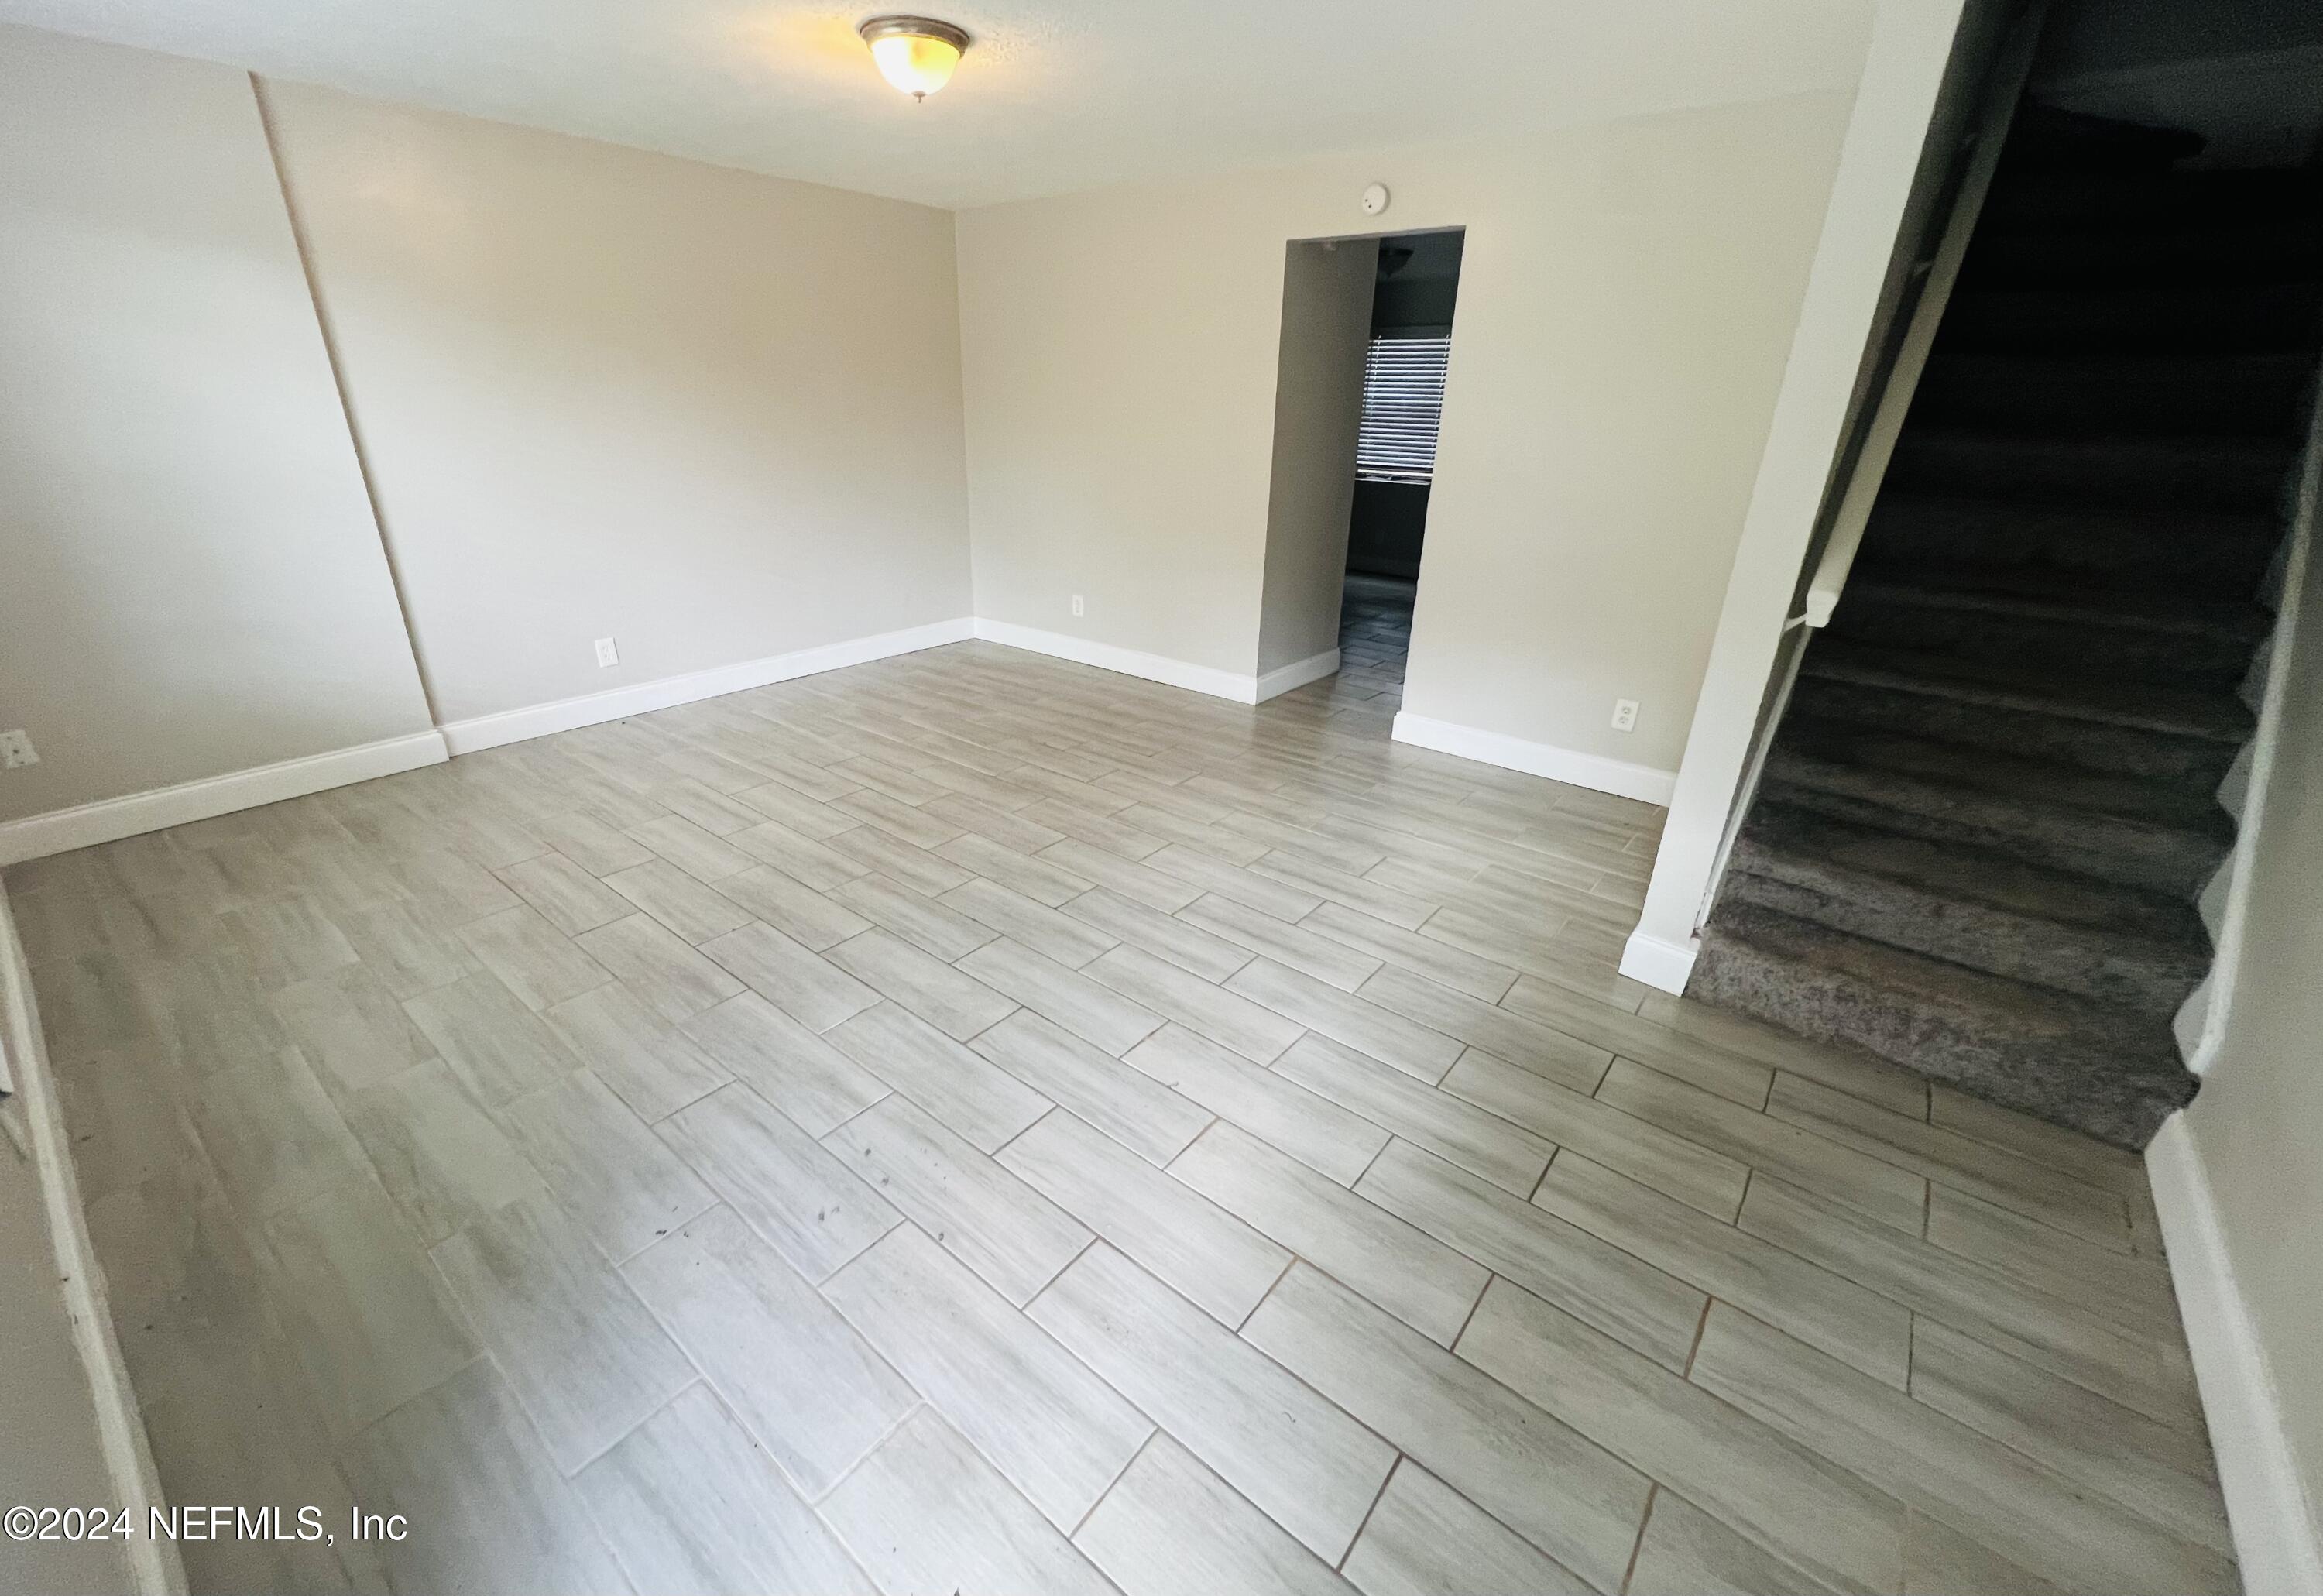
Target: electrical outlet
(1077, 604)
(607, 654)
(17, 751)
(1625, 714)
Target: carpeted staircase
(1993, 799)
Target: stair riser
(2091, 476)
(2243, 320)
(2033, 553)
(2121, 654)
(1978, 936)
(2173, 863)
(2091, 745)
(1830, 1008)
(2263, 401)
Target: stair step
(2065, 1060)
(2210, 715)
(1999, 545)
(2126, 852)
(2142, 474)
(2022, 723)
(2125, 639)
(2237, 250)
(2241, 319)
(2187, 396)
(1988, 911)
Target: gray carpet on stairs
(1992, 802)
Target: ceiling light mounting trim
(914, 53)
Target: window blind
(1403, 405)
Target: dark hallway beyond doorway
(1374, 636)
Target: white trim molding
(1659, 963)
(1288, 678)
(1130, 662)
(1641, 782)
(570, 714)
(85, 825)
(2277, 1538)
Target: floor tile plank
(1057, 1431)
(1826, 1310)
(614, 1176)
(926, 1513)
(690, 1509)
(1425, 1538)
(1096, 1014)
(583, 1357)
(1573, 1500)
(1653, 1313)
(1205, 1253)
(1125, 1103)
(462, 1460)
(1448, 1126)
(1170, 1528)
(799, 1073)
(1946, 1470)
(1763, 1484)
(982, 1213)
(1314, 1130)
(972, 1096)
(806, 1202)
(795, 1375)
(1348, 1017)
(1310, 1467)
(1397, 1265)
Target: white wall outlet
(17, 751)
(607, 654)
(1077, 604)
(1625, 714)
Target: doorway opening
(1359, 397)
(1406, 360)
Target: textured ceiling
(1054, 96)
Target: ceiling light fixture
(915, 53)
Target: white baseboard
(1275, 683)
(1641, 782)
(1659, 962)
(85, 825)
(569, 714)
(1127, 662)
(2278, 1538)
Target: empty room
(1503, 799)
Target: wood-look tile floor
(973, 1124)
(1374, 638)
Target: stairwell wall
(2237, 1176)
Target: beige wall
(1319, 387)
(2258, 1123)
(609, 393)
(190, 580)
(1626, 300)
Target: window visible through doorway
(1403, 405)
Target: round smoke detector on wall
(1375, 199)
